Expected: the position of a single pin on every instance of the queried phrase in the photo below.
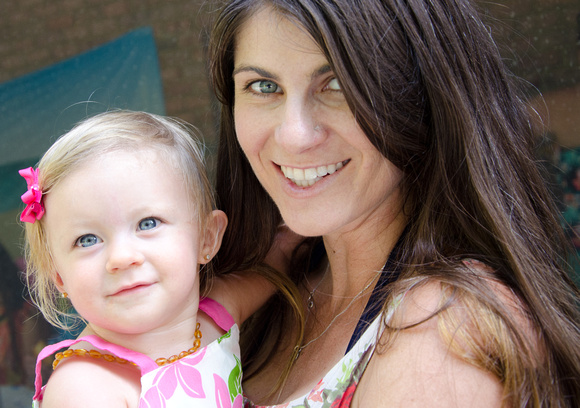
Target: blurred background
(64, 60)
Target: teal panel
(37, 108)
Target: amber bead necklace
(58, 357)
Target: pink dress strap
(217, 312)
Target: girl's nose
(123, 255)
(300, 129)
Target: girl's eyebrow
(267, 74)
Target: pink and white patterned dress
(210, 377)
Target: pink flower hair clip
(32, 198)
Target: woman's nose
(300, 129)
(124, 254)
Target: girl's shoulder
(92, 382)
(87, 372)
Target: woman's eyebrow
(259, 71)
(321, 71)
(267, 74)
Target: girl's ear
(57, 279)
(212, 236)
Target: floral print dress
(210, 377)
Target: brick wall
(37, 33)
(540, 39)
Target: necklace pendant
(297, 351)
(310, 300)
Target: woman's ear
(212, 236)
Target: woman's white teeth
(307, 177)
(310, 174)
(322, 171)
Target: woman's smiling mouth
(307, 177)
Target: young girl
(119, 218)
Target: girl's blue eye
(87, 241)
(265, 87)
(147, 224)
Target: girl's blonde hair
(173, 139)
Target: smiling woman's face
(298, 133)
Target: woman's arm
(243, 293)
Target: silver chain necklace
(310, 300)
(310, 304)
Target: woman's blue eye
(265, 87)
(87, 240)
(147, 224)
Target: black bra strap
(389, 274)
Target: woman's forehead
(268, 24)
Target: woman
(390, 130)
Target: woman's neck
(355, 256)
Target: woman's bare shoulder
(433, 361)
